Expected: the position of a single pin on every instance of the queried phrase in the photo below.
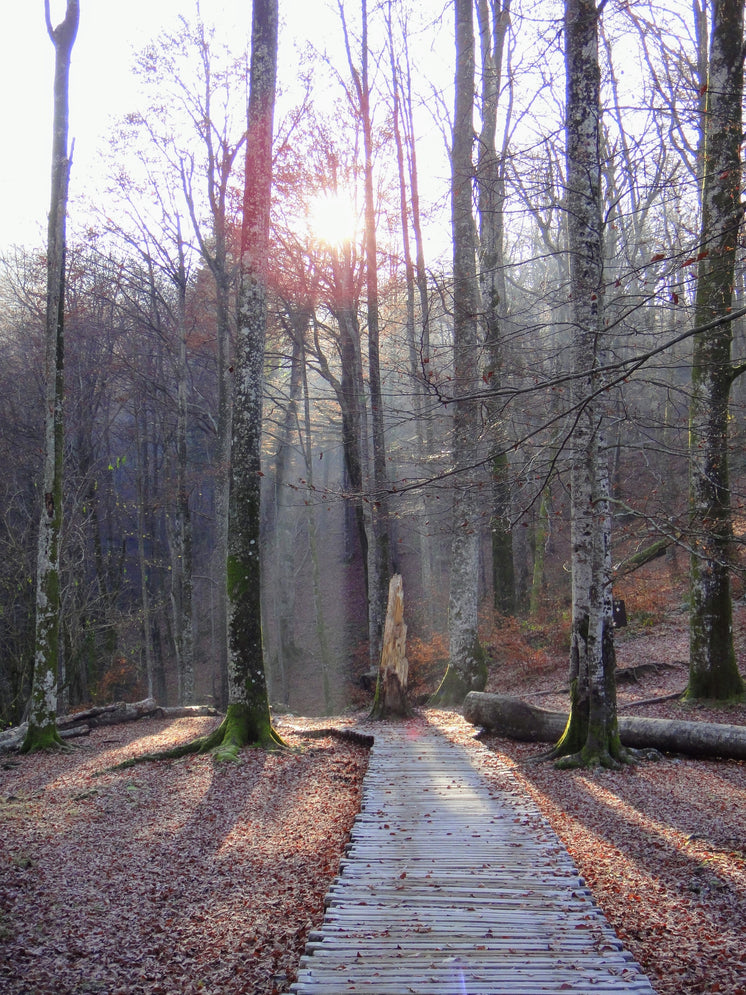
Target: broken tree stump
(391, 692)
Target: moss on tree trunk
(242, 726)
(713, 670)
(458, 682)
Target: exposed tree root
(241, 727)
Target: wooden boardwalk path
(452, 887)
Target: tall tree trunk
(248, 719)
(713, 670)
(467, 669)
(141, 484)
(42, 729)
(416, 280)
(493, 19)
(179, 515)
(221, 156)
(280, 519)
(222, 478)
(313, 541)
(592, 735)
(379, 553)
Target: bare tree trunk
(248, 719)
(141, 483)
(420, 329)
(713, 669)
(493, 18)
(467, 669)
(42, 730)
(280, 519)
(222, 484)
(379, 553)
(221, 156)
(313, 542)
(592, 735)
(179, 516)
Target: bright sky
(101, 88)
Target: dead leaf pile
(662, 845)
(176, 877)
(182, 878)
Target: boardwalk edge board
(451, 886)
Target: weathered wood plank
(450, 887)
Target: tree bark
(467, 669)
(591, 735)
(713, 669)
(391, 692)
(379, 552)
(504, 715)
(42, 730)
(178, 516)
(493, 18)
(248, 719)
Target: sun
(333, 218)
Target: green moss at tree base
(456, 684)
(42, 738)
(242, 726)
(586, 744)
(725, 684)
(451, 691)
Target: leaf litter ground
(184, 877)
(174, 877)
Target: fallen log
(109, 715)
(81, 723)
(504, 715)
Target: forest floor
(184, 877)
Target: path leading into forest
(451, 887)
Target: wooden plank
(451, 886)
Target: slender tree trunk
(221, 156)
(313, 545)
(713, 669)
(42, 730)
(416, 280)
(592, 735)
(222, 479)
(179, 516)
(280, 520)
(467, 668)
(248, 718)
(351, 396)
(379, 553)
(541, 536)
(493, 20)
(141, 483)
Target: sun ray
(333, 218)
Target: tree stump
(391, 692)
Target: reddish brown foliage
(185, 878)
(662, 845)
(177, 877)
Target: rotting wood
(391, 693)
(504, 715)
